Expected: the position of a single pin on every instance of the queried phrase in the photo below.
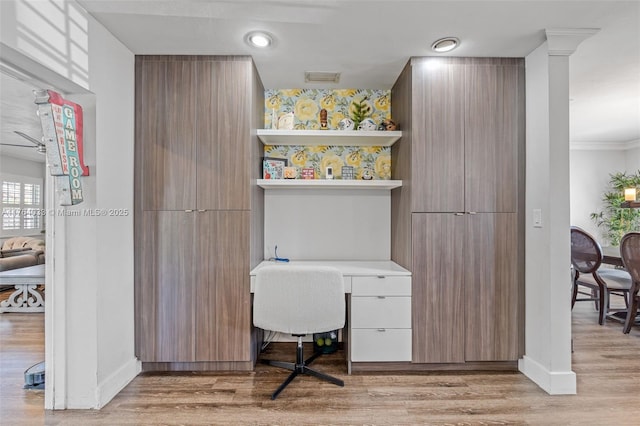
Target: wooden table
(611, 256)
(26, 297)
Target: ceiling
(369, 42)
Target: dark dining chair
(630, 253)
(586, 258)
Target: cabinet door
(165, 117)
(166, 307)
(223, 135)
(437, 290)
(493, 97)
(438, 137)
(491, 287)
(223, 300)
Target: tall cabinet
(459, 215)
(198, 211)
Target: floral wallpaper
(339, 103)
(374, 161)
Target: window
(21, 205)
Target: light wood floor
(607, 364)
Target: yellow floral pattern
(376, 160)
(307, 103)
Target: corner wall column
(547, 359)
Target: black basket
(327, 343)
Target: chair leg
(574, 294)
(631, 315)
(603, 301)
(284, 384)
(323, 376)
(300, 367)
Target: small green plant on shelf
(617, 220)
(359, 110)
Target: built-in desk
(378, 309)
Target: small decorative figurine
(286, 121)
(346, 124)
(366, 175)
(323, 119)
(290, 172)
(388, 125)
(367, 124)
(274, 119)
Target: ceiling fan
(38, 145)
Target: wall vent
(321, 77)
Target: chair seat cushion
(615, 279)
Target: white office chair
(299, 300)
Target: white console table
(379, 314)
(26, 297)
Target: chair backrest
(586, 253)
(299, 299)
(630, 253)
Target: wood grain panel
(233, 298)
(255, 170)
(167, 311)
(492, 287)
(438, 135)
(437, 288)
(401, 93)
(222, 135)
(223, 301)
(492, 132)
(166, 117)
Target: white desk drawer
(381, 286)
(380, 312)
(380, 345)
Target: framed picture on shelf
(273, 168)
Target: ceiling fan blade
(29, 138)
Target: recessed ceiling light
(446, 44)
(259, 39)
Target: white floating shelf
(329, 137)
(328, 183)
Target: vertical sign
(62, 128)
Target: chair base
(300, 367)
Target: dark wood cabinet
(458, 217)
(165, 133)
(198, 215)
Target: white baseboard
(552, 382)
(113, 384)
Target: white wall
(632, 157)
(590, 174)
(92, 302)
(21, 167)
(328, 224)
(590, 170)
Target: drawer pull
(188, 211)
(381, 277)
(382, 297)
(382, 329)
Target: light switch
(537, 218)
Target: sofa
(20, 252)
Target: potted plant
(617, 220)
